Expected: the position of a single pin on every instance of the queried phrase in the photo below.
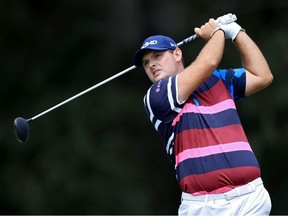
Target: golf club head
(21, 128)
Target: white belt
(236, 192)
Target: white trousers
(250, 199)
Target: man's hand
(226, 19)
(225, 23)
(207, 30)
(231, 30)
(228, 25)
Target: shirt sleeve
(161, 100)
(234, 80)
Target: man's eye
(157, 55)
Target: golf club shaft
(85, 91)
(185, 41)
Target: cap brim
(139, 55)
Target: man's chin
(156, 79)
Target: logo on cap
(152, 42)
(173, 45)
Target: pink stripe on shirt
(210, 150)
(219, 107)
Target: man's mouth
(156, 73)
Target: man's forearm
(258, 71)
(252, 58)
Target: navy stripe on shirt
(202, 121)
(202, 165)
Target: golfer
(193, 109)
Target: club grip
(187, 40)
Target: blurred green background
(99, 154)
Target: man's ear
(178, 54)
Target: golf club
(21, 125)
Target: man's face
(161, 64)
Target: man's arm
(258, 74)
(205, 63)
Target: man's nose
(152, 63)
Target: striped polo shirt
(203, 135)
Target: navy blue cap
(157, 42)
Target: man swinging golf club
(194, 112)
